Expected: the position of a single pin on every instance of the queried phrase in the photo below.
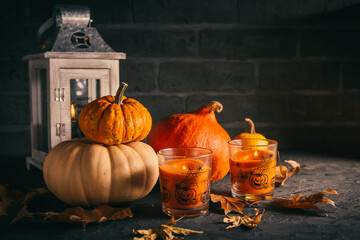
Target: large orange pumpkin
(195, 129)
(80, 172)
(115, 120)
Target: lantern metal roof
(69, 30)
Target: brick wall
(291, 66)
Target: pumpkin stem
(252, 125)
(214, 105)
(120, 93)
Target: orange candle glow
(72, 111)
(184, 183)
(253, 171)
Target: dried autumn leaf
(306, 202)
(165, 231)
(35, 193)
(80, 215)
(249, 221)
(229, 203)
(14, 203)
(11, 200)
(283, 173)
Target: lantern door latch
(60, 129)
(59, 94)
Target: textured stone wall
(291, 66)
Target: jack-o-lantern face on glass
(205, 197)
(184, 174)
(165, 195)
(253, 168)
(258, 180)
(185, 195)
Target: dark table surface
(340, 173)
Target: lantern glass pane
(82, 91)
(42, 110)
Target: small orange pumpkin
(195, 129)
(115, 120)
(253, 137)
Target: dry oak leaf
(283, 173)
(249, 221)
(14, 203)
(80, 215)
(165, 231)
(229, 203)
(306, 202)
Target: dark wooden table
(340, 173)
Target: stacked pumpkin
(110, 165)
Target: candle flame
(256, 153)
(72, 110)
(184, 167)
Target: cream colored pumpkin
(80, 172)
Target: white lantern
(77, 67)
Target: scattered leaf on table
(80, 215)
(306, 202)
(283, 173)
(165, 231)
(229, 203)
(14, 203)
(249, 221)
(11, 200)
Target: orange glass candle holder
(252, 168)
(185, 180)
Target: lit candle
(253, 171)
(72, 111)
(75, 129)
(184, 183)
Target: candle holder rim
(210, 152)
(235, 142)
